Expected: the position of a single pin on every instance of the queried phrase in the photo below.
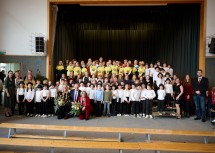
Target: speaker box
(212, 46)
(39, 44)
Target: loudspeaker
(39, 44)
(212, 46)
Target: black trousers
(113, 107)
(61, 112)
(68, 107)
(93, 105)
(98, 108)
(149, 107)
(160, 105)
(39, 108)
(50, 106)
(187, 106)
(168, 99)
(21, 104)
(44, 106)
(143, 106)
(134, 107)
(29, 107)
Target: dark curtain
(166, 33)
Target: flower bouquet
(76, 108)
(60, 101)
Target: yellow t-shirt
(77, 71)
(107, 69)
(141, 71)
(121, 70)
(83, 70)
(115, 69)
(59, 67)
(134, 69)
(69, 69)
(93, 69)
(100, 70)
(127, 70)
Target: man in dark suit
(200, 86)
(75, 93)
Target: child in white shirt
(45, 97)
(161, 98)
(29, 97)
(51, 103)
(150, 95)
(38, 100)
(20, 97)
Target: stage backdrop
(166, 33)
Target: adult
(200, 86)
(64, 97)
(2, 75)
(187, 95)
(1, 89)
(74, 94)
(9, 96)
(17, 78)
(29, 78)
(178, 91)
(85, 103)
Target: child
(98, 98)
(20, 97)
(135, 98)
(53, 96)
(150, 95)
(143, 100)
(38, 101)
(169, 92)
(107, 100)
(114, 101)
(29, 96)
(161, 97)
(119, 104)
(126, 101)
(90, 92)
(45, 96)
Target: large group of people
(108, 88)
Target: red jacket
(86, 104)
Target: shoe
(7, 115)
(28, 114)
(39, 115)
(144, 115)
(126, 115)
(49, 115)
(42, 115)
(45, 116)
(36, 115)
(52, 115)
(213, 121)
(196, 118)
(31, 115)
(159, 113)
(203, 120)
(147, 116)
(66, 117)
(118, 114)
(150, 116)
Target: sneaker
(49, 115)
(42, 115)
(52, 115)
(45, 116)
(139, 116)
(213, 121)
(150, 116)
(144, 115)
(147, 116)
(36, 115)
(31, 115)
(39, 115)
(28, 114)
(159, 113)
(118, 114)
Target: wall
(27, 62)
(18, 20)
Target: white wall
(210, 18)
(18, 19)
